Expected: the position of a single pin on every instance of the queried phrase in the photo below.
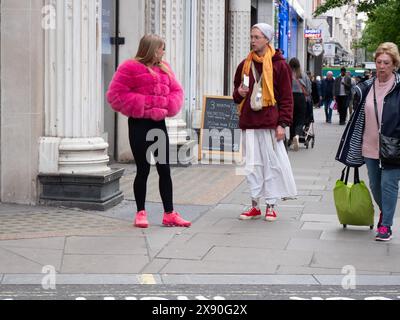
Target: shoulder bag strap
(256, 76)
(376, 107)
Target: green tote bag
(353, 201)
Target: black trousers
(342, 104)
(148, 137)
(299, 114)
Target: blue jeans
(384, 185)
(328, 111)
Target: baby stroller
(308, 136)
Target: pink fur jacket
(138, 93)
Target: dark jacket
(327, 89)
(350, 147)
(270, 117)
(347, 85)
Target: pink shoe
(174, 220)
(252, 213)
(270, 215)
(141, 220)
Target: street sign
(329, 49)
(317, 49)
(220, 135)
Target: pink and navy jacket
(138, 93)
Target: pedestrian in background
(327, 95)
(352, 92)
(316, 91)
(146, 91)
(268, 170)
(301, 90)
(376, 114)
(341, 94)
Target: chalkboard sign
(220, 131)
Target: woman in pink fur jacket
(146, 91)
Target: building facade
(58, 135)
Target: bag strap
(345, 175)
(302, 87)
(376, 107)
(256, 76)
(356, 176)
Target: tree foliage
(383, 20)
(383, 26)
(367, 6)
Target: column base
(85, 191)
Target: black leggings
(138, 134)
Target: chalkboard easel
(220, 136)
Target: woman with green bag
(372, 135)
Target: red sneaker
(141, 220)
(270, 215)
(174, 220)
(252, 213)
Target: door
(109, 62)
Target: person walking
(377, 115)
(327, 95)
(146, 90)
(316, 91)
(352, 92)
(341, 94)
(268, 170)
(301, 90)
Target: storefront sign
(312, 34)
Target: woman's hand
(243, 91)
(280, 133)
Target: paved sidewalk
(305, 246)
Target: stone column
(239, 40)
(211, 49)
(73, 154)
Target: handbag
(256, 100)
(333, 105)
(353, 201)
(389, 147)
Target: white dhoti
(267, 166)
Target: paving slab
(44, 243)
(11, 262)
(354, 247)
(155, 266)
(216, 267)
(260, 256)
(99, 245)
(359, 262)
(107, 264)
(235, 279)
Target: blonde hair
(146, 53)
(390, 49)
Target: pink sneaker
(270, 215)
(141, 220)
(174, 220)
(252, 213)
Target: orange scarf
(268, 76)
